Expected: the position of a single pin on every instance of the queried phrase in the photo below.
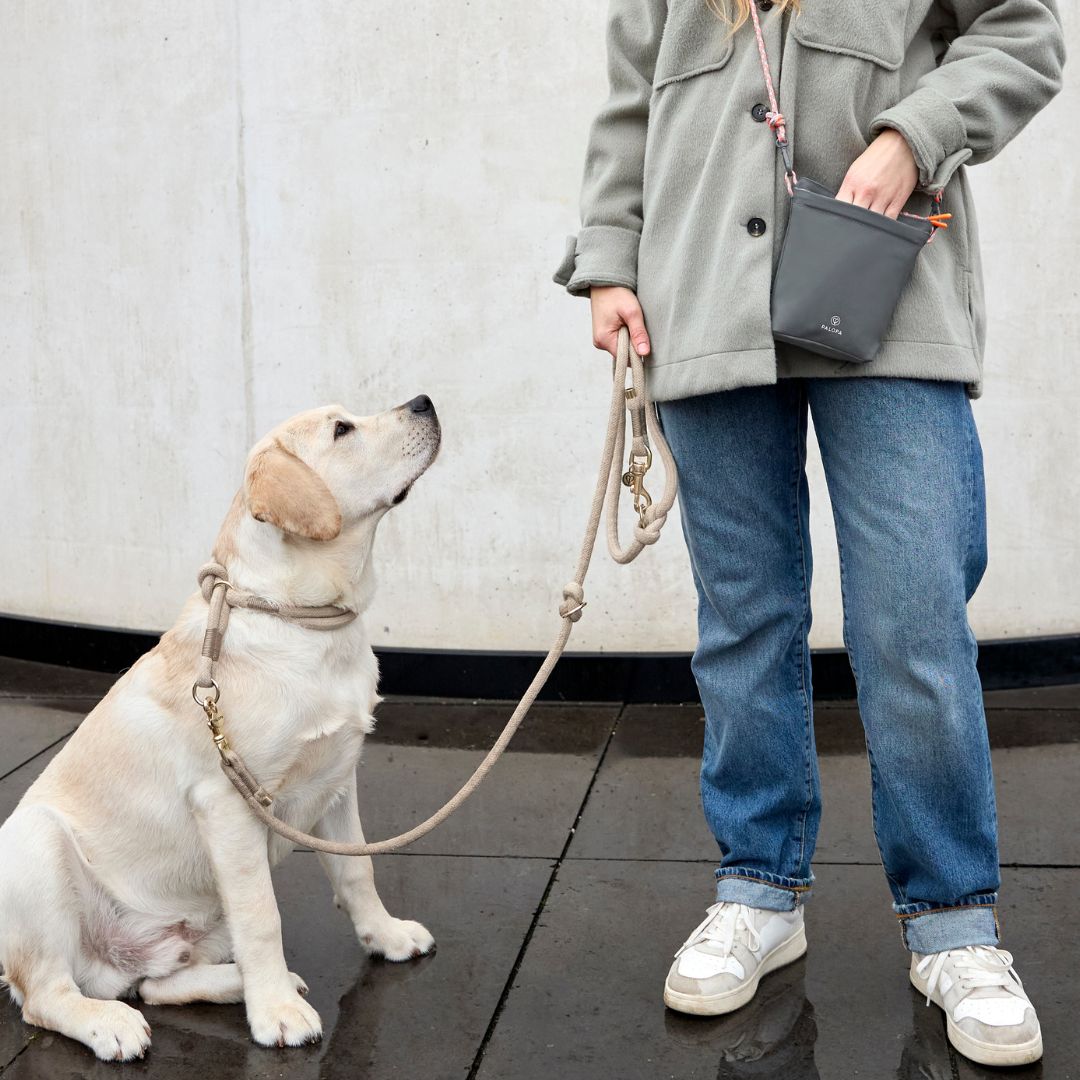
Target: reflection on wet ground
(558, 895)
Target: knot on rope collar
(573, 601)
(209, 575)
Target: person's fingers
(869, 196)
(880, 203)
(635, 323)
(864, 196)
(606, 335)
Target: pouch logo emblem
(833, 327)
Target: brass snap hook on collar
(214, 720)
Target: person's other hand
(612, 308)
(883, 176)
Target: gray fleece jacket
(681, 171)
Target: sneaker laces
(977, 967)
(719, 928)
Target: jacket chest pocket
(695, 41)
(874, 30)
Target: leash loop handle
(651, 518)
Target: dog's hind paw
(398, 939)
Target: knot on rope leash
(573, 604)
(649, 533)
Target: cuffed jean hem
(928, 929)
(755, 888)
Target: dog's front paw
(398, 939)
(291, 1022)
(115, 1031)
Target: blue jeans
(903, 464)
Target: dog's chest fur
(308, 753)
(323, 752)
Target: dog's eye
(343, 427)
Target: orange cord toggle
(939, 221)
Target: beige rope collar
(651, 517)
(222, 595)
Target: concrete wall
(214, 214)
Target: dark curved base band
(642, 677)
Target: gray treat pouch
(842, 269)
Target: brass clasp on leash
(214, 719)
(634, 479)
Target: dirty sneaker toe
(989, 1018)
(720, 964)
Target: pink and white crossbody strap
(774, 118)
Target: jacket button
(764, 5)
(755, 227)
(758, 112)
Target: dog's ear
(284, 491)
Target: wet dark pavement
(558, 894)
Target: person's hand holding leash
(613, 307)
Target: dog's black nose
(421, 404)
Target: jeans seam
(874, 785)
(799, 478)
(970, 462)
(953, 907)
(763, 881)
(972, 435)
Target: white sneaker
(721, 963)
(989, 1017)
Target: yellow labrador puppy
(132, 864)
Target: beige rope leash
(221, 596)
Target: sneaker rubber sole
(986, 1053)
(787, 952)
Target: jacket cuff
(935, 131)
(599, 255)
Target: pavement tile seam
(817, 862)
(43, 750)
(507, 989)
(11, 1060)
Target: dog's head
(326, 472)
